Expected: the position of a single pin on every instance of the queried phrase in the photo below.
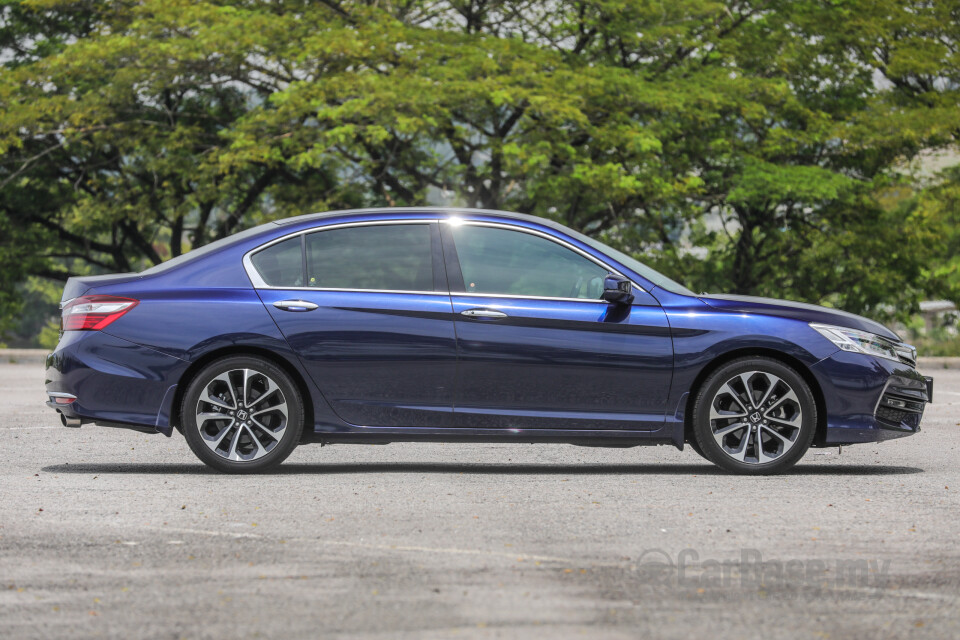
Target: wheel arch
(798, 365)
(243, 350)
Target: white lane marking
(382, 547)
(203, 532)
(880, 592)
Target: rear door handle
(294, 305)
(483, 313)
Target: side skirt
(612, 439)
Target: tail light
(93, 313)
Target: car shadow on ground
(478, 468)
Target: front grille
(907, 353)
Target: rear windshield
(199, 252)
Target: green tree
(743, 146)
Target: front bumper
(901, 406)
(869, 399)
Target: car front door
(367, 310)
(538, 347)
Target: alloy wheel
(755, 417)
(241, 415)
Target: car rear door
(366, 308)
(538, 348)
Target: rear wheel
(692, 443)
(242, 414)
(755, 416)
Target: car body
(429, 324)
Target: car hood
(797, 311)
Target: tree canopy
(762, 147)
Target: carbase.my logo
(750, 570)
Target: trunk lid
(79, 285)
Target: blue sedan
(427, 325)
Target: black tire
(266, 412)
(692, 443)
(782, 414)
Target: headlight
(857, 341)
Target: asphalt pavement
(112, 533)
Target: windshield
(633, 264)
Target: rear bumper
(93, 377)
(870, 399)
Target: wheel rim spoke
(216, 440)
(762, 456)
(282, 408)
(777, 434)
(716, 414)
(206, 397)
(789, 396)
(235, 427)
(266, 394)
(728, 391)
(256, 441)
(233, 454)
(741, 452)
(246, 385)
(793, 422)
(719, 434)
(745, 380)
(273, 433)
(759, 424)
(225, 378)
(774, 381)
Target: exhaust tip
(73, 423)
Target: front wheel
(242, 414)
(754, 415)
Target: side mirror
(617, 289)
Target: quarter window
(281, 265)
(506, 262)
(386, 257)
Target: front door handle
(294, 305)
(483, 313)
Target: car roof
(440, 211)
(384, 213)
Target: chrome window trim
(258, 282)
(516, 297)
(329, 290)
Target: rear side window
(380, 257)
(281, 265)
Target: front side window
(505, 262)
(396, 257)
